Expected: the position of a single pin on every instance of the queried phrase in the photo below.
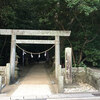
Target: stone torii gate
(14, 33)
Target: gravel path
(79, 88)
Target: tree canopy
(80, 16)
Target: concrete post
(12, 59)
(59, 70)
(0, 83)
(61, 84)
(57, 54)
(68, 65)
(8, 73)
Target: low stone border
(86, 75)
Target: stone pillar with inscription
(68, 65)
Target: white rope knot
(45, 54)
(39, 56)
(31, 55)
(24, 52)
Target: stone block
(98, 83)
(61, 84)
(7, 73)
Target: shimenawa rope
(33, 52)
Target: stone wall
(86, 75)
(79, 75)
(93, 77)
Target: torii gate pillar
(57, 55)
(12, 57)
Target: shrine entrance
(14, 41)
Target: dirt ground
(34, 79)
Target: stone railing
(5, 74)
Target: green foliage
(92, 55)
(82, 65)
(80, 16)
(7, 16)
(86, 6)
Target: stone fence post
(59, 71)
(8, 73)
(60, 80)
(0, 83)
(61, 84)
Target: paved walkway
(36, 75)
(36, 83)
